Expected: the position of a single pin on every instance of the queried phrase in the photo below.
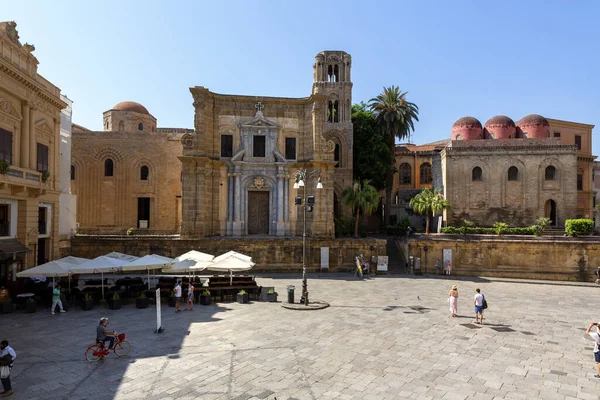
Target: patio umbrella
(152, 261)
(50, 269)
(231, 264)
(121, 256)
(190, 262)
(99, 265)
(73, 260)
(232, 254)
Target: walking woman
(189, 306)
(448, 268)
(453, 300)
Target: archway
(550, 211)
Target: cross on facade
(259, 106)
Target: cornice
(255, 99)
(565, 148)
(569, 124)
(32, 85)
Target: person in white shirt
(177, 296)
(7, 357)
(478, 301)
(596, 337)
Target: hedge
(459, 230)
(577, 227)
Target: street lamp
(301, 177)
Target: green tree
(429, 203)
(395, 117)
(361, 196)
(372, 157)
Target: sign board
(324, 257)
(159, 328)
(447, 257)
(382, 263)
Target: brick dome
(467, 128)
(500, 127)
(534, 126)
(131, 106)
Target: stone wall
(512, 257)
(274, 255)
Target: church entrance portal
(550, 211)
(258, 213)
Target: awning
(10, 248)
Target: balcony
(20, 180)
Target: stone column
(25, 136)
(280, 204)
(32, 141)
(237, 203)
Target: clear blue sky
(455, 58)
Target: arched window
(477, 174)
(336, 73)
(330, 73)
(144, 171)
(405, 171)
(336, 111)
(121, 126)
(108, 167)
(140, 127)
(550, 173)
(72, 172)
(337, 156)
(513, 174)
(107, 125)
(425, 172)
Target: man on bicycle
(104, 335)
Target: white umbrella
(194, 255)
(73, 260)
(121, 256)
(152, 261)
(231, 264)
(50, 269)
(99, 265)
(189, 262)
(232, 254)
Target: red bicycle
(97, 351)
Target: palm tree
(429, 203)
(395, 117)
(361, 196)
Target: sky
(454, 58)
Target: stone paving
(385, 338)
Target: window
(477, 174)
(144, 171)
(550, 173)
(425, 171)
(405, 174)
(72, 172)
(259, 146)
(108, 167)
(106, 124)
(140, 127)
(290, 148)
(121, 126)
(42, 157)
(578, 142)
(337, 156)
(6, 145)
(333, 111)
(557, 134)
(513, 174)
(4, 220)
(226, 145)
(580, 182)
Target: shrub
(206, 293)
(454, 230)
(130, 231)
(4, 167)
(541, 224)
(344, 227)
(577, 227)
(500, 227)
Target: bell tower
(332, 80)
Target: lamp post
(300, 182)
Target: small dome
(534, 126)
(533, 119)
(131, 106)
(467, 128)
(500, 127)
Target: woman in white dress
(453, 300)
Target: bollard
(290, 289)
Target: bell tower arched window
(336, 73)
(337, 156)
(108, 167)
(144, 172)
(330, 73)
(333, 111)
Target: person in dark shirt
(103, 335)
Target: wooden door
(258, 213)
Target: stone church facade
(239, 164)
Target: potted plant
(45, 176)
(205, 298)
(141, 301)
(172, 299)
(30, 306)
(88, 302)
(272, 295)
(114, 303)
(4, 167)
(242, 297)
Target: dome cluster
(501, 127)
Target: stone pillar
(280, 204)
(32, 141)
(25, 136)
(237, 203)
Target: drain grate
(503, 329)
(552, 342)
(470, 326)
(558, 373)
(527, 333)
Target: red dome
(500, 127)
(534, 126)
(467, 128)
(131, 106)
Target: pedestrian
(453, 300)
(448, 268)
(190, 298)
(597, 273)
(596, 337)
(56, 299)
(177, 296)
(7, 357)
(478, 302)
(438, 267)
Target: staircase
(395, 258)
(554, 231)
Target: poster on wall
(447, 257)
(324, 258)
(382, 263)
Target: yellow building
(29, 153)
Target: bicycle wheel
(122, 348)
(93, 353)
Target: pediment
(45, 127)
(259, 122)
(8, 108)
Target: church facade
(240, 163)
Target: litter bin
(291, 289)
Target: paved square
(386, 338)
